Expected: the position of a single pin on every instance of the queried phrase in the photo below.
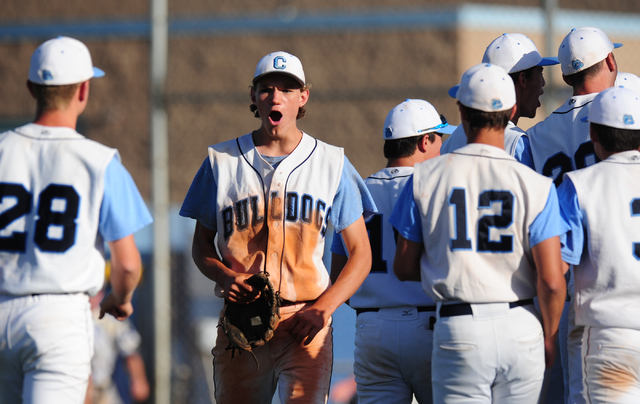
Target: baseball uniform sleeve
(571, 216)
(352, 199)
(523, 152)
(405, 216)
(200, 201)
(548, 222)
(123, 211)
(337, 246)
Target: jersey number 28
(461, 241)
(57, 206)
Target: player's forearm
(406, 263)
(206, 257)
(551, 284)
(349, 280)
(126, 267)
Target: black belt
(461, 309)
(420, 309)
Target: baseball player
(62, 195)
(561, 143)
(601, 203)
(264, 201)
(395, 319)
(518, 56)
(481, 231)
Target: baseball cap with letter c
(281, 63)
(414, 118)
(62, 61)
(583, 48)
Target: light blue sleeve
(337, 246)
(123, 211)
(200, 202)
(548, 222)
(572, 217)
(405, 216)
(352, 199)
(523, 152)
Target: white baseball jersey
(275, 219)
(51, 194)
(477, 206)
(561, 142)
(382, 288)
(458, 139)
(605, 207)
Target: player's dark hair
(405, 147)
(491, 120)
(528, 73)
(51, 98)
(615, 140)
(578, 79)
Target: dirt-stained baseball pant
(303, 375)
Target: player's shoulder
(324, 145)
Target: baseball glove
(251, 325)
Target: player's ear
(463, 114)
(83, 91)
(252, 93)
(593, 135)
(424, 143)
(304, 96)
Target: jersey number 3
(54, 227)
(503, 220)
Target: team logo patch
(46, 75)
(387, 132)
(576, 64)
(495, 104)
(280, 63)
(628, 119)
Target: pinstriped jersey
(477, 206)
(382, 288)
(561, 142)
(274, 219)
(605, 207)
(52, 187)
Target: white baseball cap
(486, 87)
(515, 53)
(282, 63)
(62, 61)
(414, 118)
(583, 48)
(628, 80)
(616, 107)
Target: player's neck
(404, 161)
(59, 118)
(595, 85)
(276, 144)
(488, 136)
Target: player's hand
(111, 305)
(549, 351)
(237, 290)
(307, 323)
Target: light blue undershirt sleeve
(405, 216)
(200, 202)
(548, 222)
(337, 247)
(123, 211)
(572, 217)
(352, 199)
(523, 152)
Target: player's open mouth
(275, 116)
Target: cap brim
(255, 79)
(617, 45)
(549, 61)
(453, 91)
(97, 72)
(447, 130)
